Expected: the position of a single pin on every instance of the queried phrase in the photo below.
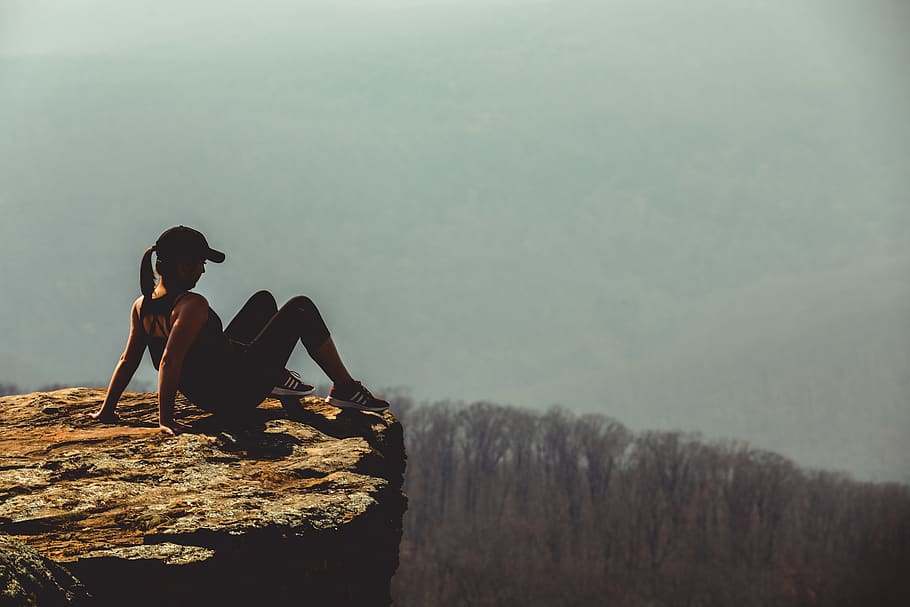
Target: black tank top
(210, 361)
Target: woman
(220, 370)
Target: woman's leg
(297, 320)
(252, 317)
(328, 359)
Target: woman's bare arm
(126, 366)
(191, 313)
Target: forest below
(509, 506)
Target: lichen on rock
(28, 579)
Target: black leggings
(266, 336)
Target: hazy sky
(681, 214)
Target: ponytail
(146, 274)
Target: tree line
(509, 506)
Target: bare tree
(513, 507)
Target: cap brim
(213, 255)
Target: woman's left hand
(174, 428)
(105, 416)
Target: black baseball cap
(182, 243)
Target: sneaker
(355, 396)
(292, 386)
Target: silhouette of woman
(221, 370)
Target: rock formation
(298, 505)
(28, 579)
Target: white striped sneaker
(292, 386)
(355, 396)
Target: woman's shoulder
(136, 308)
(190, 301)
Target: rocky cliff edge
(296, 504)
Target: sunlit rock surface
(302, 506)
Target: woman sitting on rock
(219, 370)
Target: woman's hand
(101, 415)
(174, 428)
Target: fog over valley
(682, 215)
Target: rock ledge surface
(294, 505)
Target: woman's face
(190, 272)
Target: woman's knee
(312, 329)
(264, 296)
(302, 302)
